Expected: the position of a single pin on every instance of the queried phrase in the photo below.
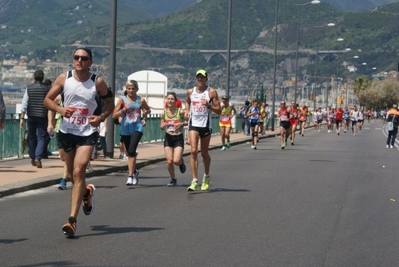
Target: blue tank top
(131, 120)
(346, 114)
(254, 118)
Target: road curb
(47, 181)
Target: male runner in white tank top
(201, 101)
(78, 130)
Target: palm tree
(361, 84)
(360, 89)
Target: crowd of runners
(75, 114)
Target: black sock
(72, 219)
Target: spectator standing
(245, 120)
(392, 125)
(32, 105)
(46, 152)
(2, 112)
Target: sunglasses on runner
(83, 58)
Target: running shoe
(223, 148)
(391, 147)
(89, 168)
(228, 145)
(182, 166)
(338, 133)
(292, 142)
(205, 183)
(129, 181)
(63, 184)
(193, 186)
(282, 146)
(254, 147)
(87, 202)
(344, 131)
(69, 228)
(135, 177)
(173, 182)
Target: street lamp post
(228, 49)
(314, 2)
(336, 78)
(110, 124)
(317, 57)
(275, 66)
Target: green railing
(12, 136)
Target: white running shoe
(135, 177)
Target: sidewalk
(18, 175)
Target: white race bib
(80, 117)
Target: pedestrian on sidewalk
(134, 110)
(244, 118)
(262, 118)
(392, 125)
(172, 121)
(78, 129)
(32, 105)
(46, 152)
(201, 101)
(2, 112)
(228, 112)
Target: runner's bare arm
(118, 110)
(188, 103)
(107, 96)
(215, 104)
(55, 90)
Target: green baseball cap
(202, 72)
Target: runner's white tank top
(200, 115)
(82, 96)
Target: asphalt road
(327, 201)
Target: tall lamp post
(110, 124)
(317, 57)
(275, 66)
(314, 2)
(228, 50)
(336, 79)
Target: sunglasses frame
(82, 58)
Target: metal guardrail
(11, 138)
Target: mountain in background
(161, 8)
(30, 33)
(355, 5)
(41, 23)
